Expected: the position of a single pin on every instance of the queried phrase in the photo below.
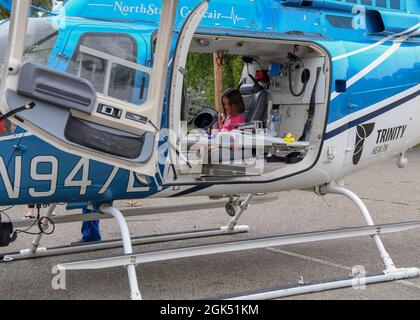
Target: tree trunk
(218, 82)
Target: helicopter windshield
(40, 40)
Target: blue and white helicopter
(97, 93)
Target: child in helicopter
(233, 109)
(232, 116)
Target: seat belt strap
(311, 111)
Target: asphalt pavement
(391, 194)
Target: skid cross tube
(230, 229)
(127, 242)
(242, 208)
(389, 264)
(37, 240)
(128, 249)
(195, 251)
(145, 211)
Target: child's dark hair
(235, 99)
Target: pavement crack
(390, 202)
(332, 264)
(297, 255)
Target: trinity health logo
(363, 132)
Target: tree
(3, 14)
(200, 78)
(45, 4)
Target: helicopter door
(80, 117)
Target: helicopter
(96, 91)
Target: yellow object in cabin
(289, 138)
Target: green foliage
(200, 78)
(232, 71)
(3, 14)
(46, 4)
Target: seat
(256, 102)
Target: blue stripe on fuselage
(371, 115)
(189, 191)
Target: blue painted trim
(370, 116)
(188, 191)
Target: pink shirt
(231, 122)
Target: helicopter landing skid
(391, 273)
(38, 251)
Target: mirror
(205, 119)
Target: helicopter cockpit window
(40, 51)
(90, 68)
(40, 40)
(109, 61)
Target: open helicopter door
(66, 111)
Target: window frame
(133, 63)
